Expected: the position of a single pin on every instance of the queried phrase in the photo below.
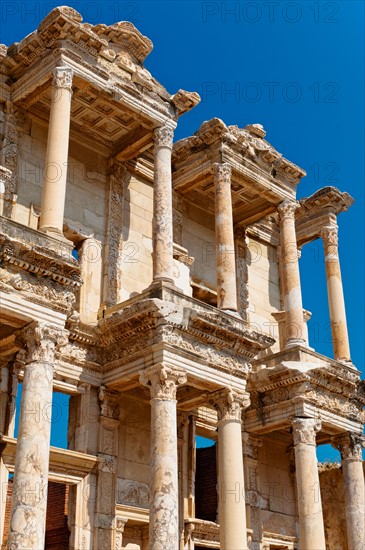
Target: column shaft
(311, 524)
(224, 239)
(294, 321)
(231, 487)
(164, 502)
(29, 502)
(162, 206)
(336, 301)
(55, 169)
(350, 446)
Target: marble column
(231, 487)
(311, 526)
(224, 238)
(55, 168)
(162, 206)
(350, 447)
(163, 382)
(29, 502)
(294, 321)
(340, 338)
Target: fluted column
(336, 301)
(55, 169)
(164, 517)
(224, 238)
(231, 486)
(311, 526)
(294, 321)
(162, 206)
(350, 447)
(29, 502)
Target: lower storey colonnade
(28, 514)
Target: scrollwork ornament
(229, 404)
(350, 445)
(42, 340)
(287, 209)
(163, 381)
(62, 78)
(305, 429)
(163, 136)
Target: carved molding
(305, 429)
(350, 445)
(163, 136)
(62, 78)
(41, 341)
(229, 404)
(163, 381)
(133, 493)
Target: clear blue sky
(295, 67)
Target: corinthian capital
(109, 403)
(287, 209)
(62, 78)
(222, 171)
(229, 404)
(329, 235)
(42, 340)
(163, 381)
(163, 136)
(350, 445)
(305, 429)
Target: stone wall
(333, 500)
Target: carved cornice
(41, 341)
(305, 429)
(329, 198)
(350, 445)
(163, 381)
(229, 404)
(29, 250)
(248, 142)
(184, 101)
(163, 136)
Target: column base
(55, 233)
(294, 342)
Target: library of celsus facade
(156, 283)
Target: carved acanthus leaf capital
(163, 381)
(41, 341)
(305, 429)
(229, 404)
(329, 235)
(350, 445)
(287, 209)
(109, 403)
(62, 78)
(163, 136)
(222, 171)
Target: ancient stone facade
(157, 284)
